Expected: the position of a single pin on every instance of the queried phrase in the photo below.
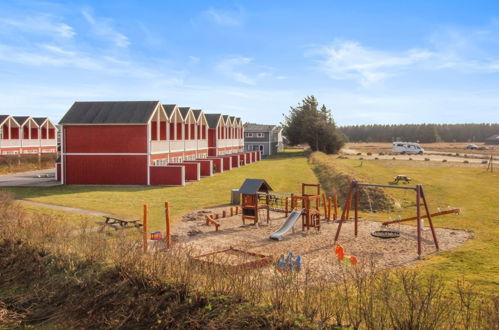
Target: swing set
(352, 201)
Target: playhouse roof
(252, 186)
(111, 112)
(3, 118)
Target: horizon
(370, 63)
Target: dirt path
(65, 208)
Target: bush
(427, 159)
(369, 154)
(444, 160)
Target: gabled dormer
(10, 128)
(176, 121)
(189, 123)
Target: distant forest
(424, 133)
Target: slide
(288, 224)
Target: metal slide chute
(287, 225)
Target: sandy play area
(316, 248)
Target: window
(249, 134)
(260, 135)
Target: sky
(370, 62)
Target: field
(284, 172)
(44, 260)
(473, 190)
(440, 147)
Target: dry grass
(50, 277)
(24, 163)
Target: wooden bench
(117, 223)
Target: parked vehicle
(407, 148)
(472, 147)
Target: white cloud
(229, 68)
(225, 17)
(39, 24)
(351, 60)
(103, 27)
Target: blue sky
(369, 61)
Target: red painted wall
(206, 166)
(14, 131)
(218, 165)
(34, 133)
(235, 160)
(25, 132)
(105, 170)
(154, 131)
(179, 131)
(51, 133)
(248, 158)
(172, 131)
(5, 129)
(167, 175)
(242, 159)
(191, 170)
(162, 129)
(227, 163)
(105, 139)
(212, 137)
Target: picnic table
(117, 223)
(401, 177)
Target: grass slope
(284, 172)
(473, 190)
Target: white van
(407, 148)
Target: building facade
(143, 143)
(267, 139)
(22, 135)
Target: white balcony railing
(202, 144)
(48, 142)
(30, 143)
(190, 145)
(10, 143)
(177, 146)
(160, 146)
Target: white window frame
(249, 134)
(260, 135)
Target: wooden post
(287, 206)
(418, 217)
(267, 200)
(144, 226)
(427, 209)
(224, 214)
(216, 215)
(335, 200)
(231, 211)
(344, 214)
(325, 205)
(329, 204)
(237, 210)
(356, 209)
(167, 220)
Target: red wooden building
(139, 143)
(27, 135)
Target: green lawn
(473, 190)
(284, 172)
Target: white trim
(149, 153)
(63, 176)
(105, 154)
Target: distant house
(494, 139)
(27, 135)
(264, 138)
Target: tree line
(424, 133)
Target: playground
(315, 247)
(266, 224)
